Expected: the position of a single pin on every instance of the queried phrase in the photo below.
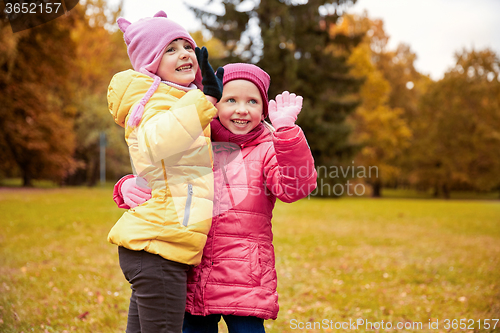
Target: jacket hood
(126, 89)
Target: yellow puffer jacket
(170, 149)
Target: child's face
(240, 108)
(178, 64)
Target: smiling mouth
(184, 68)
(240, 122)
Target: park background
(421, 243)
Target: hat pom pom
(136, 116)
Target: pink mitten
(283, 112)
(135, 191)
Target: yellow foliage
(215, 47)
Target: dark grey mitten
(212, 82)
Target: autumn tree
(407, 88)
(401, 87)
(215, 47)
(457, 136)
(100, 53)
(36, 102)
(379, 130)
(294, 46)
(54, 103)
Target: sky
(434, 29)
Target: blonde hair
(269, 126)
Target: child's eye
(170, 49)
(253, 101)
(188, 47)
(231, 100)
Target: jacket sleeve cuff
(117, 192)
(287, 133)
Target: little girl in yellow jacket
(166, 120)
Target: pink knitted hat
(252, 73)
(146, 40)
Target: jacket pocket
(255, 267)
(187, 208)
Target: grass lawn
(393, 260)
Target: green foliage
(386, 259)
(296, 49)
(89, 124)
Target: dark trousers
(210, 324)
(158, 292)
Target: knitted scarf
(222, 134)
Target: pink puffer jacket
(237, 273)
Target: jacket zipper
(187, 209)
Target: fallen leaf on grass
(83, 315)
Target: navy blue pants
(158, 292)
(210, 324)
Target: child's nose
(241, 109)
(184, 54)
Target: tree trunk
(435, 192)
(446, 191)
(376, 189)
(27, 180)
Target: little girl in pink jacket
(254, 163)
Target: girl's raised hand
(212, 82)
(283, 112)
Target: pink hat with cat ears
(146, 40)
